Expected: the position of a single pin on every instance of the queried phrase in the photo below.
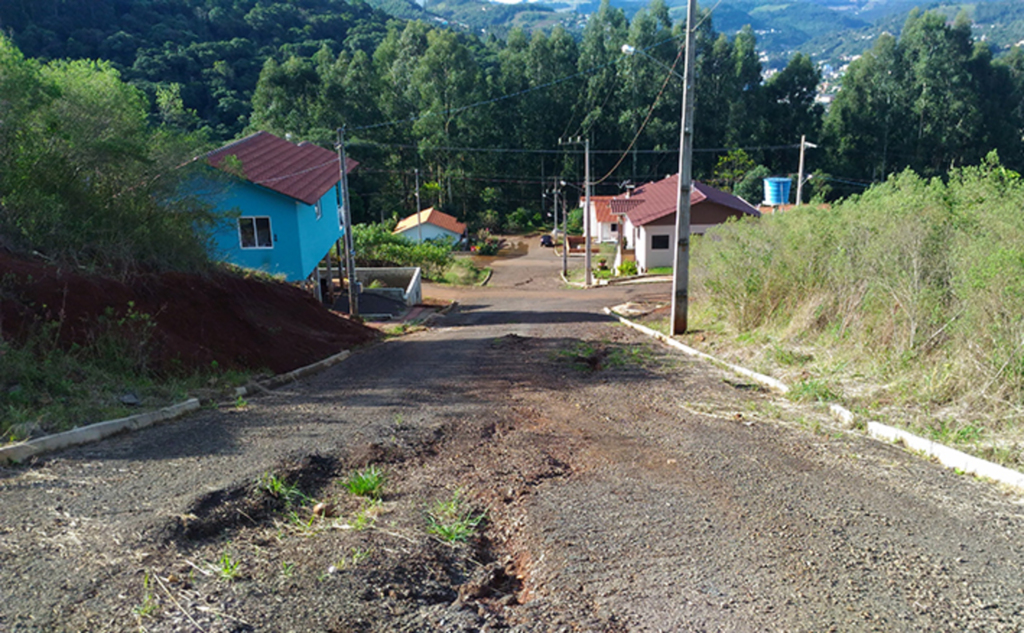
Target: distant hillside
(831, 30)
(214, 49)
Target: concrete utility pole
(565, 232)
(800, 174)
(681, 270)
(419, 227)
(346, 214)
(588, 278)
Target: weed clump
(368, 482)
(452, 520)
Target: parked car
(545, 240)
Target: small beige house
(431, 225)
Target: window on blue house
(255, 232)
(319, 210)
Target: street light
(630, 50)
(681, 270)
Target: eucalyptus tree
(650, 90)
(446, 78)
(791, 110)
(944, 98)
(596, 113)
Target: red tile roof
(656, 200)
(432, 216)
(304, 172)
(603, 208)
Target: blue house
(288, 195)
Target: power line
(484, 102)
(511, 150)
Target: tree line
(480, 119)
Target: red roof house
(283, 202)
(649, 212)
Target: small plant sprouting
(149, 604)
(451, 521)
(227, 568)
(368, 482)
(287, 569)
(241, 403)
(367, 514)
(277, 487)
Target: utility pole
(588, 278)
(554, 191)
(346, 214)
(419, 227)
(565, 234)
(681, 270)
(800, 174)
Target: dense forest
(481, 118)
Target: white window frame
(254, 220)
(319, 209)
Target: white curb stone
(93, 432)
(949, 457)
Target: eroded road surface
(626, 488)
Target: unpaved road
(626, 489)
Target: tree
(85, 179)
(791, 110)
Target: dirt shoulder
(625, 488)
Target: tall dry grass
(916, 284)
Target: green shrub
(85, 179)
(628, 268)
(376, 245)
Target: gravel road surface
(625, 488)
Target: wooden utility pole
(681, 270)
(346, 214)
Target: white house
(649, 219)
(604, 225)
(431, 224)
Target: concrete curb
(948, 457)
(765, 381)
(94, 432)
(102, 430)
(292, 376)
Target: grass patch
(463, 272)
(45, 388)
(813, 390)
(660, 270)
(452, 521)
(368, 482)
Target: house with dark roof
(286, 202)
(649, 219)
(431, 224)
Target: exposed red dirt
(238, 322)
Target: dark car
(545, 240)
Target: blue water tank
(776, 191)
